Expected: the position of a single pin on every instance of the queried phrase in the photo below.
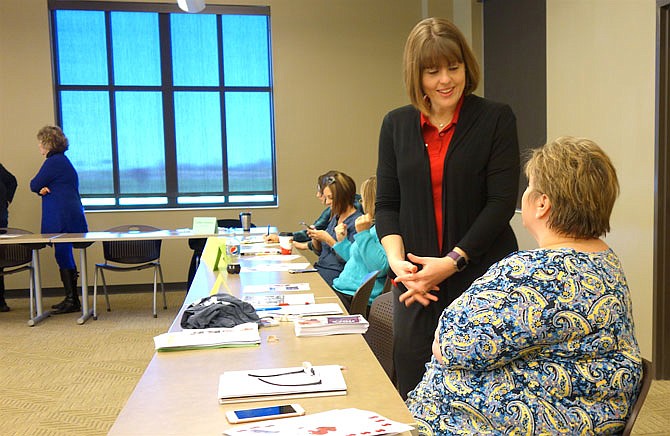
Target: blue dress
(330, 264)
(62, 211)
(364, 255)
(543, 343)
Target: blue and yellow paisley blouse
(542, 344)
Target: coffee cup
(286, 242)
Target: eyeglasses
(329, 180)
(291, 378)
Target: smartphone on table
(263, 413)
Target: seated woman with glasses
(339, 192)
(544, 341)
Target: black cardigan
(479, 188)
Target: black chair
(129, 255)
(359, 302)
(644, 389)
(198, 245)
(15, 258)
(380, 332)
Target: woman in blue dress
(365, 254)
(339, 192)
(544, 342)
(62, 212)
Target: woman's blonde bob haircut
(432, 43)
(581, 183)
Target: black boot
(64, 274)
(71, 302)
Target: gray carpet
(61, 378)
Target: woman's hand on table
(272, 238)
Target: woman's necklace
(437, 122)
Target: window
(165, 109)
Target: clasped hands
(419, 283)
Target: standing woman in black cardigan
(447, 182)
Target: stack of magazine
(330, 325)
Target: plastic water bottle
(233, 255)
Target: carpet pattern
(61, 378)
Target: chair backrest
(135, 251)
(12, 255)
(359, 304)
(380, 333)
(231, 222)
(644, 389)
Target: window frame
(167, 89)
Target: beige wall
(337, 71)
(600, 84)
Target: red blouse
(437, 143)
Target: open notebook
(281, 383)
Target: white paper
(276, 300)
(249, 385)
(277, 266)
(338, 422)
(310, 309)
(243, 334)
(276, 287)
(271, 257)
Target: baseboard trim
(112, 289)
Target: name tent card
(205, 225)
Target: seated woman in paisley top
(544, 341)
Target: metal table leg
(86, 313)
(38, 291)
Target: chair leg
(95, 293)
(155, 286)
(104, 288)
(160, 273)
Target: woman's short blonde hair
(581, 183)
(52, 138)
(369, 193)
(431, 43)
(343, 189)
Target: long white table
(177, 393)
(82, 241)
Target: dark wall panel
(515, 69)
